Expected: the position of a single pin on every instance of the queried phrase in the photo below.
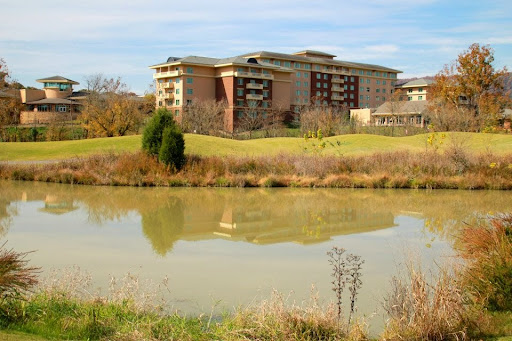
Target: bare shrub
(16, 277)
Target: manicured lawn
(208, 145)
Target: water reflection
(257, 216)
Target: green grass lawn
(208, 145)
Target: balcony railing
(167, 85)
(337, 98)
(167, 74)
(337, 88)
(244, 74)
(338, 72)
(338, 80)
(254, 86)
(168, 95)
(254, 97)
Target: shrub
(163, 138)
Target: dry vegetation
(453, 169)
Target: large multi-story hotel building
(269, 79)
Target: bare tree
(252, 118)
(204, 117)
(329, 119)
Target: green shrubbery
(163, 138)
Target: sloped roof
(53, 101)
(418, 82)
(56, 79)
(318, 53)
(319, 60)
(403, 107)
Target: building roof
(403, 107)
(417, 82)
(56, 79)
(319, 60)
(53, 101)
(318, 53)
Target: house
(400, 113)
(55, 102)
(415, 90)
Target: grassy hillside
(208, 145)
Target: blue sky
(122, 38)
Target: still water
(230, 247)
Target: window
(176, 113)
(318, 85)
(306, 93)
(306, 74)
(345, 95)
(240, 102)
(354, 71)
(296, 65)
(377, 90)
(351, 104)
(317, 67)
(377, 82)
(177, 81)
(190, 91)
(265, 93)
(384, 74)
(189, 101)
(368, 80)
(240, 113)
(297, 74)
(61, 108)
(306, 84)
(361, 80)
(377, 98)
(306, 100)
(318, 76)
(383, 90)
(367, 98)
(361, 72)
(326, 76)
(240, 69)
(383, 82)
(377, 74)
(325, 85)
(190, 80)
(177, 102)
(361, 97)
(159, 103)
(344, 78)
(383, 98)
(409, 98)
(345, 86)
(265, 72)
(265, 83)
(240, 81)
(277, 62)
(351, 87)
(351, 79)
(318, 93)
(420, 98)
(361, 88)
(351, 96)
(287, 64)
(177, 91)
(307, 66)
(264, 104)
(297, 83)
(239, 92)
(367, 89)
(297, 92)
(325, 93)
(190, 70)
(409, 91)
(420, 90)
(368, 73)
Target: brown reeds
(16, 277)
(454, 169)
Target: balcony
(254, 86)
(168, 95)
(337, 89)
(337, 98)
(338, 80)
(167, 85)
(243, 74)
(254, 97)
(337, 72)
(167, 74)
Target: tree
(163, 138)
(204, 117)
(469, 88)
(10, 101)
(110, 109)
(329, 119)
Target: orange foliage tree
(469, 94)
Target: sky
(77, 39)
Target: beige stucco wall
(34, 117)
(56, 93)
(361, 115)
(31, 95)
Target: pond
(231, 247)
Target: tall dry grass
(454, 169)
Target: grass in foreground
(209, 146)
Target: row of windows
(299, 84)
(368, 81)
(376, 73)
(378, 98)
(298, 74)
(240, 92)
(411, 90)
(240, 81)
